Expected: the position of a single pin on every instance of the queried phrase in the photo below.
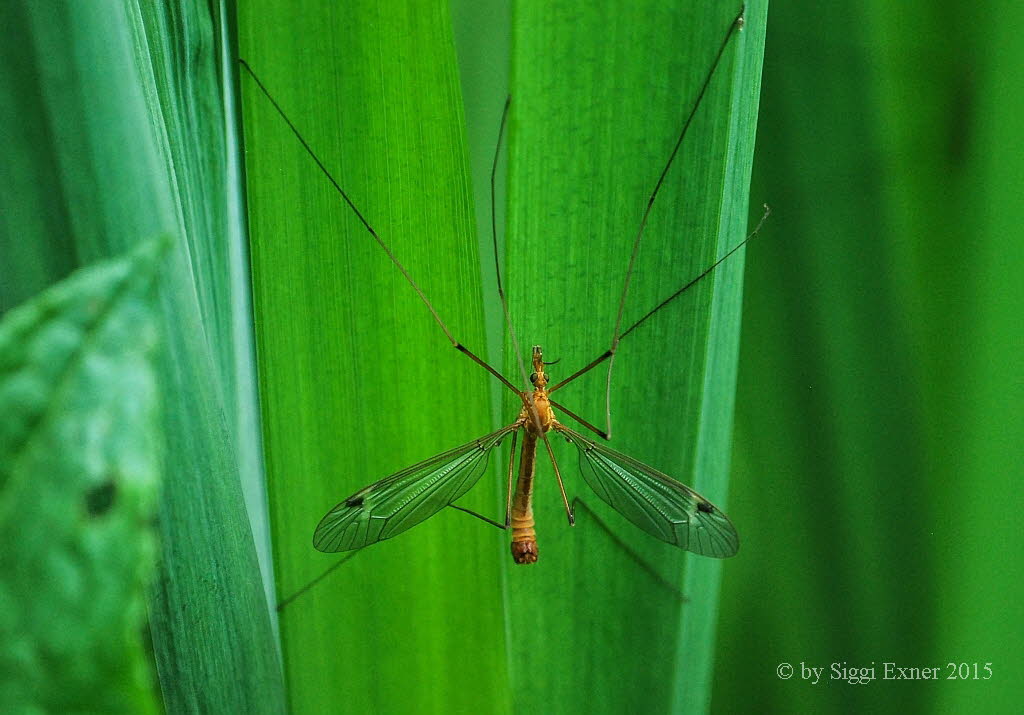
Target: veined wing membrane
(653, 501)
(406, 498)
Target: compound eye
(533, 378)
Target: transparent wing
(655, 502)
(406, 498)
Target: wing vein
(404, 499)
(653, 501)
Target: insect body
(524, 538)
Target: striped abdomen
(524, 538)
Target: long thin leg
(481, 517)
(494, 242)
(526, 397)
(327, 572)
(608, 353)
(579, 419)
(558, 476)
(713, 266)
(309, 150)
(582, 371)
(617, 334)
(504, 380)
(511, 468)
(736, 24)
(641, 561)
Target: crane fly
(651, 500)
(655, 502)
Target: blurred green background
(879, 413)
(876, 456)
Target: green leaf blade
(357, 381)
(119, 135)
(599, 99)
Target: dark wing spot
(354, 501)
(98, 500)
(705, 507)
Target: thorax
(542, 406)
